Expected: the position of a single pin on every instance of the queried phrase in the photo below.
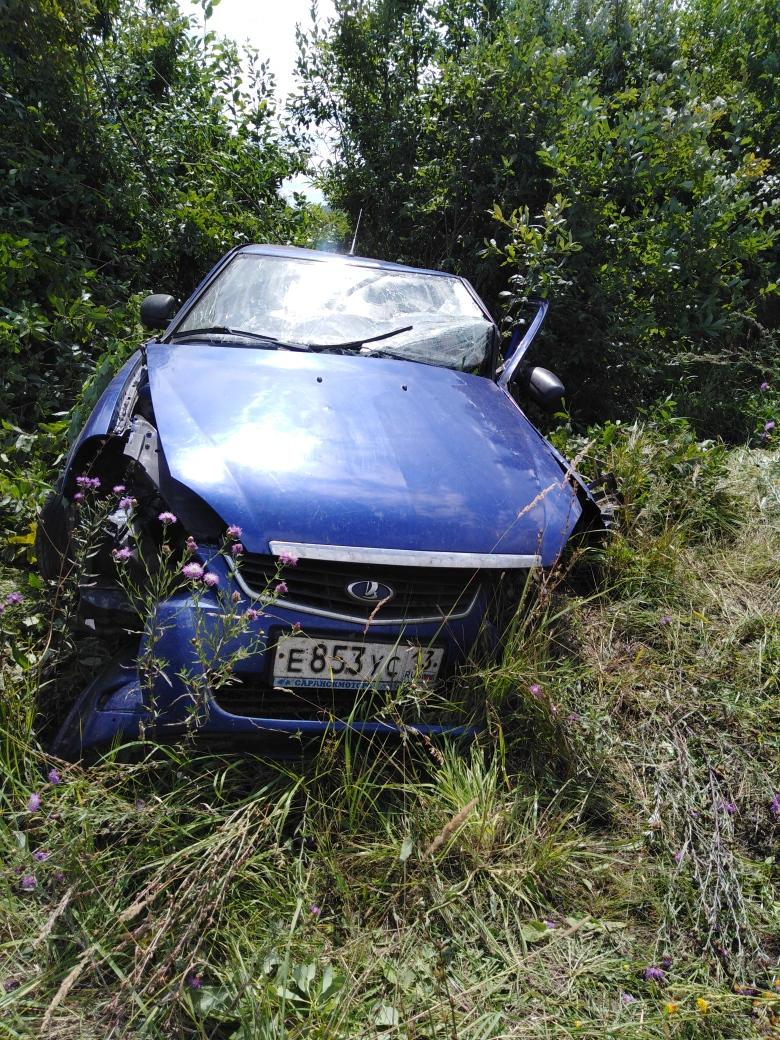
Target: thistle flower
(764, 387)
(41, 855)
(119, 489)
(281, 589)
(666, 962)
(122, 555)
(78, 498)
(194, 981)
(288, 559)
(236, 597)
(769, 425)
(193, 571)
(316, 910)
(236, 549)
(653, 973)
(678, 856)
(11, 984)
(774, 807)
(14, 597)
(234, 531)
(729, 807)
(53, 777)
(211, 580)
(549, 923)
(191, 545)
(88, 483)
(59, 876)
(127, 503)
(535, 689)
(28, 883)
(166, 518)
(252, 614)
(627, 998)
(34, 803)
(665, 620)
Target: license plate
(342, 665)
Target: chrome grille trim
(406, 557)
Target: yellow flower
(703, 1005)
(577, 1023)
(671, 1007)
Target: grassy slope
(617, 816)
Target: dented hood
(358, 451)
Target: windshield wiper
(356, 344)
(224, 330)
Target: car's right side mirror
(157, 311)
(545, 388)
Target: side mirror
(545, 388)
(157, 311)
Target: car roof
(327, 257)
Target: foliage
(619, 816)
(137, 151)
(619, 157)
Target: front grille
(253, 699)
(321, 585)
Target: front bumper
(176, 684)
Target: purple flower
(764, 387)
(53, 777)
(288, 559)
(41, 855)
(535, 689)
(729, 807)
(550, 923)
(88, 483)
(627, 998)
(678, 856)
(122, 555)
(236, 597)
(281, 589)
(252, 614)
(769, 425)
(28, 882)
(234, 531)
(127, 503)
(59, 876)
(236, 549)
(774, 808)
(140, 805)
(11, 984)
(666, 962)
(78, 497)
(34, 803)
(574, 717)
(653, 974)
(14, 597)
(166, 518)
(119, 489)
(191, 545)
(665, 620)
(211, 580)
(193, 571)
(194, 981)
(316, 910)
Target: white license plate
(343, 665)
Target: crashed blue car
(328, 450)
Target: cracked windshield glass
(419, 317)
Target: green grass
(515, 889)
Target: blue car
(318, 500)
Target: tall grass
(615, 816)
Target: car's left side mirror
(157, 311)
(545, 388)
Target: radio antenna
(354, 237)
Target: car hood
(359, 451)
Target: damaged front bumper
(175, 682)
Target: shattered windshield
(410, 315)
